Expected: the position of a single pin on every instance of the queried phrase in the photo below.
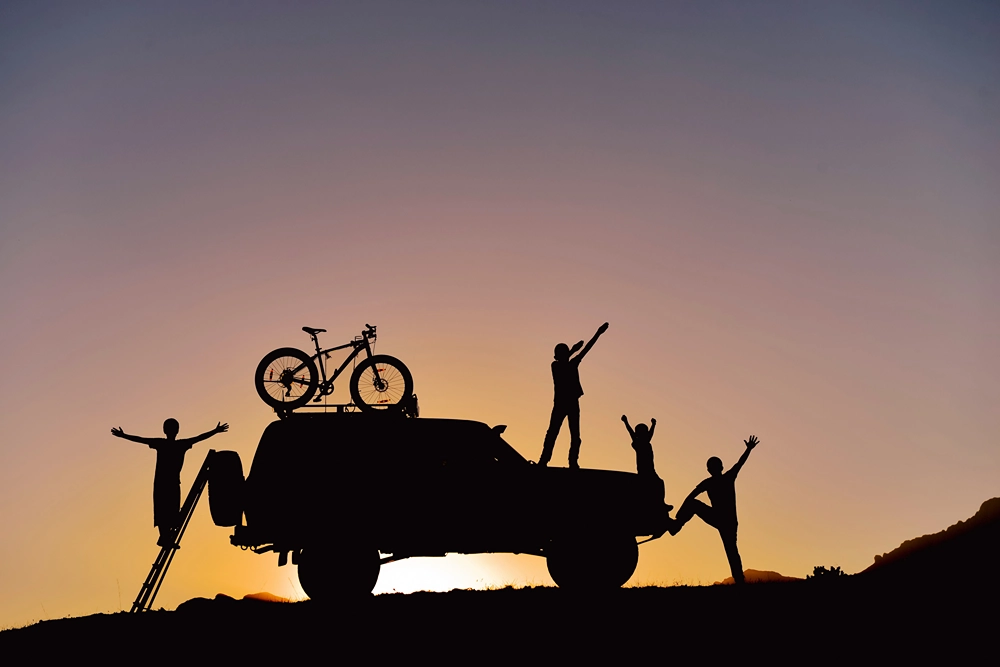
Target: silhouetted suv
(336, 490)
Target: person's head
(641, 430)
(714, 466)
(171, 428)
(562, 352)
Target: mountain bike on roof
(287, 378)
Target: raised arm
(590, 344)
(220, 428)
(652, 427)
(119, 433)
(751, 442)
(576, 346)
(630, 431)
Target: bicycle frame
(325, 387)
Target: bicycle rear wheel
(393, 387)
(286, 378)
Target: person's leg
(732, 553)
(573, 415)
(555, 422)
(694, 507)
(665, 521)
(690, 508)
(166, 507)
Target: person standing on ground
(566, 403)
(167, 478)
(721, 515)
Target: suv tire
(325, 574)
(594, 563)
(225, 488)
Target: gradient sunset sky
(788, 212)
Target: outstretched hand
(652, 421)
(624, 419)
(117, 432)
(221, 428)
(751, 442)
(602, 328)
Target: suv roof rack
(408, 409)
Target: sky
(788, 212)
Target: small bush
(826, 574)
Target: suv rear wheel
(327, 574)
(594, 563)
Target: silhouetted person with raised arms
(642, 437)
(566, 403)
(641, 443)
(721, 515)
(167, 478)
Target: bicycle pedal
(317, 399)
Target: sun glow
(478, 571)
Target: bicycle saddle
(313, 332)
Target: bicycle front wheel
(286, 378)
(392, 386)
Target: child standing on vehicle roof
(566, 402)
(641, 443)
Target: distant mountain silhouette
(265, 597)
(967, 551)
(223, 599)
(759, 577)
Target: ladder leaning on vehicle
(150, 587)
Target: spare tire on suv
(225, 488)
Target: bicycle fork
(378, 383)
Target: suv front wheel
(326, 574)
(592, 563)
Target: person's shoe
(667, 526)
(167, 541)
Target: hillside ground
(850, 618)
